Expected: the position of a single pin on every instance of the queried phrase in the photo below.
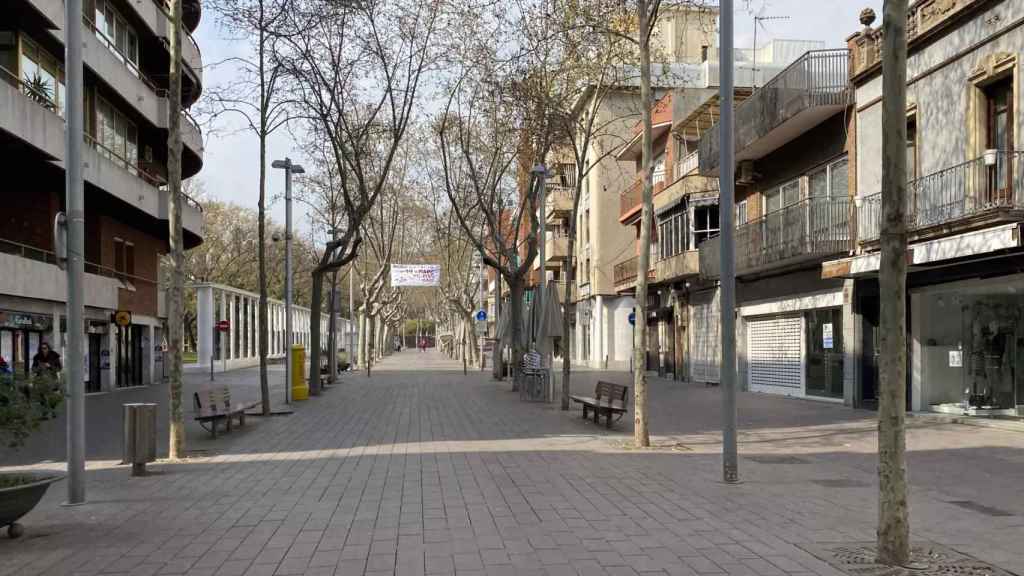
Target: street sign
(223, 325)
(481, 315)
(122, 318)
(632, 318)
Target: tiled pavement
(421, 470)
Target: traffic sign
(122, 318)
(632, 318)
(481, 315)
(223, 325)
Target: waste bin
(139, 436)
(300, 389)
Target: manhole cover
(928, 560)
(840, 483)
(775, 459)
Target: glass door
(824, 376)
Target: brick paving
(421, 470)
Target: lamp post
(289, 169)
(540, 172)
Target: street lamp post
(289, 169)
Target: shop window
(824, 360)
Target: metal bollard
(139, 436)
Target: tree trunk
(314, 333)
(893, 516)
(518, 348)
(369, 345)
(361, 345)
(176, 447)
(262, 227)
(641, 437)
(570, 277)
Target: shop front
(967, 347)
(21, 333)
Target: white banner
(415, 275)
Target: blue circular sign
(632, 318)
(481, 315)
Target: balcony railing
(132, 67)
(992, 183)
(818, 78)
(687, 164)
(625, 272)
(631, 198)
(811, 229)
(40, 255)
(32, 92)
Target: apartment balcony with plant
(807, 231)
(814, 87)
(979, 193)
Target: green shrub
(25, 403)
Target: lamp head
(281, 164)
(298, 169)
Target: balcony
(809, 231)
(30, 272)
(978, 193)
(556, 248)
(559, 202)
(624, 274)
(682, 265)
(688, 164)
(808, 91)
(631, 201)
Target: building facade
(126, 58)
(965, 209)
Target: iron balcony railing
(631, 198)
(40, 255)
(625, 272)
(818, 78)
(807, 230)
(993, 182)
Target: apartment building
(682, 306)
(965, 210)
(126, 58)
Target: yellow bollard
(300, 390)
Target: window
(705, 223)
(912, 148)
(785, 195)
(658, 170)
(830, 181)
(672, 234)
(42, 76)
(1000, 137)
(741, 213)
(117, 136)
(117, 34)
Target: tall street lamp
(289, 169)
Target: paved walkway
(421, 470)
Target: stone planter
(19, 500)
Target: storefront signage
(956, 359)
(25, 321)
(826, 332)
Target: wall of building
(940, 87)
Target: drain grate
(981, 508)
(934, 560)
(840, 483)
(775, 459)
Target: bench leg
(597, 414)
(227, 419)
(608, 420)
(213, 427)
(584, 411)
(241, 418)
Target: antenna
(759, 23)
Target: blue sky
(231, 169)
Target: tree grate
(927, 560)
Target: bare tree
(893, 516)
(357, 72)
(255, 96)
(176, 448)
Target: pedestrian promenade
(422, 470)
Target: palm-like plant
(40, 91)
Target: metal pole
(542, 174)
(288, 280)
(75, 251)
(727, 168)
(332, 328)
(212, 346)
(351, 317)
(483, 306)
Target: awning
(634, 148)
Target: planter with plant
(24, 405)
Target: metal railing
(132, 67)
(47, 257)
(632, 197)
(818, 78)
(37, 96)
(626, 271)
(687, 164)
(131, 166)
(992, 182)
(807, 230)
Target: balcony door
(1000, 137)
(777, 225)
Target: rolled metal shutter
(705, 344)
(775, 355)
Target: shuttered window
(774, 354)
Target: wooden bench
(608, 399)
(218, 407)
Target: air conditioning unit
(745, 173)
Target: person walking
(46, 361)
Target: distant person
(46, 361)
(5, 368)
(423, 344)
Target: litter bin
(139, 436)
(300, 389)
